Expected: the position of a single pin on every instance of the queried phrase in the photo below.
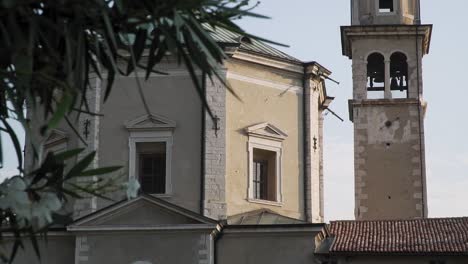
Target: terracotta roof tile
(421, 236)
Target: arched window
(399, 75)
(375, 76)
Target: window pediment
(150, 122)
(55, 137)
(266, 130)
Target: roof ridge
(399, 220)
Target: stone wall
(266, 245)
(88, 128)
(58, 248)
(389, 154)
(314, 155)
(215, 151)
(150, 246)
(389, 174)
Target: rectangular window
(152, 167)
(264, 175)
(386, 6)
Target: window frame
(151, 137)
(269, 145)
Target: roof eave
(270, 61)
(316, 68)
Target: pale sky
(311, 28)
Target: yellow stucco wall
(260, 103)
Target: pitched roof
(261, 217)
(443, 236)
(249, 45)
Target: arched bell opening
(399, 75)
(375, 76)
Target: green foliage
(51, 49)
(28, 204)
(49, 52)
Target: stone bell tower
(386, 43)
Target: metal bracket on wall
(86, 132)
(315, 144)
(216, 127)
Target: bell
(401, 83)
(394, 84)
(378, 77)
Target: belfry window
(375, 76)
(386, 6)
(399, 75)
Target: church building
(245, 184)
(257, 161)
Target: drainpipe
(202, 154)
(216, 237)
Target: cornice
(348, 33)
(278, 64)
(264, 82)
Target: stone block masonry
(388, 173)
(314, 153)
(88, 127)
(215, 151)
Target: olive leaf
(49, 53)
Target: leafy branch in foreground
(30, 204)
(49, 53)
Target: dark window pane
(386, 6)
(159, 164)
(147, 166)
(153, 173)
(260, 175)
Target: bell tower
(386, 43)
